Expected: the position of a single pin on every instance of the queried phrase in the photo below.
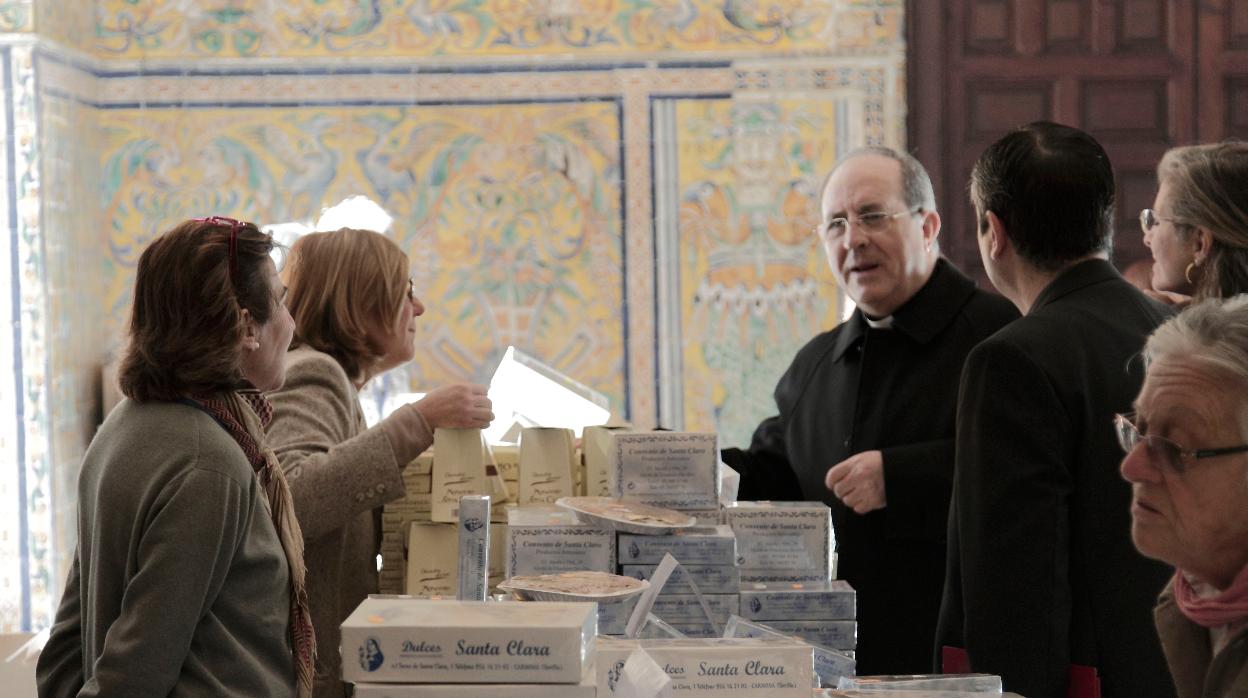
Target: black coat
(1042, 571)
(857, 389)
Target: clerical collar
(884, 323)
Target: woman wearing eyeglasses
(355, 311)
(1198, 226)
(1187, 462)
(189, 576)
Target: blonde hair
(1209, 190)
(345, 291)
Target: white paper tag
(729, 484)
(645, 602)
(642, 677)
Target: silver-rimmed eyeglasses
(871, 222)
(1163, 451)
(1149, 219)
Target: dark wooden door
(1140, 75)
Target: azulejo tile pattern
(753, 285)
(620, 188)
(488, 28)
(35, 472)
(17, 15)
(510, 213)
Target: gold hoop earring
(1187, 273)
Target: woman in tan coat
(355, 310)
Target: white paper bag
(546, 455)
(458, 470)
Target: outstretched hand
(458, 406)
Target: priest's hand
(858, 481)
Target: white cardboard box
(403, 640)
(716, 668)
(700, 545)
(818, 601)
(549, 540)
(783, 535)
(676, 470)
(711, 579)
(833, 634)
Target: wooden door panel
(1124, 70)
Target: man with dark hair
(1042, 573)
(867, 410)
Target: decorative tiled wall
(490, 29)
(17, 15)
(624, 190)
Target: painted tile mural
(510, 214)
(488, 28)
(70, 23)
(17, 15)
(70, 143)
(754, 286)
(622, 188)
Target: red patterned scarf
(244, 414)
(1228, 607)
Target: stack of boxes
(397, 518)
(708, 554)
(821, 613)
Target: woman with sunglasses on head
(188, 578)
(1197, 229)
(1187, 462)
(355, 311)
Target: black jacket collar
(922, 317)
(1073, 278)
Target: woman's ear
(1202, 245)
(251, 332)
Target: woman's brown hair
(345, 290)
(1209, 189)
(190, 289)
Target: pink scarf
(1228, 607)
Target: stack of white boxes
(405, 648)
(397, 517)
(406, 524)
(708, 554)
(821, 613)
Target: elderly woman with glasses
(355, 311)
(1197, 229)
(1187, 462)
(189, 577)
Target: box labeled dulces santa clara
(732, 668)
(700, 545)
(782, 535)
(404, 640)
(829, 664)
(834, 600)
(549, 540)
(676, 470)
